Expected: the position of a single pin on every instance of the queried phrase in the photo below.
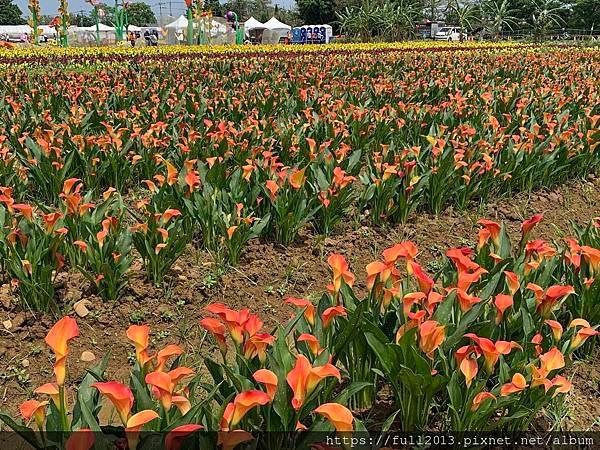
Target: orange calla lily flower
(119, 395)
(182, 404)
(165, 354)
(517, 384)
(341, 272)
(303, 379)
(135, 424)
(480, 398)
(139, 335)
(309, 311)
(331, 312)
(269, 379)
(493, 231)
(502, 303)
(161, 381)
(50, 389)
(34, 409)
(528, 225)
(82, 439)
(431, 336)
(177, 435)
(512, 281)
(243, 402)
(138, 420)
(228, 440)
(556, 327)
(552, 360)
(217, 329)
(311, 341)
(339, 416)
(57, 339)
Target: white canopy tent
(15, 32)
(178, 24)
(177, 30)
(253, 24)
(274, 31)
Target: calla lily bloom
(528, 225)
(341, 272)
(34, 409)
(583, 334)
(425, 281)
(269, 379)
(50, 389)
(234, 320)
(82, 439)
(561, 384)
(339, 416)
(217, 329)
(549, 300)
(492, 230)
(512, 281)
(181, 403)
(228, 440)
(480, 398)
(465, 300)
(165, 354)
(163, 387)
(243, 402)
(138, 420)
(177, 435)
(119, 395)
(552, 360)
(138, 334)
(311, 341)
(492, 350)
(331, 312)
(57, 339)
(257, 345)
(431, 336)
(556, 327)
(309, 311)
(303, 379)
(517, 384)
(466, 357)
(502, 303)
(135, 424)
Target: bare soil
(267, 274)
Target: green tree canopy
(10, 14)
(140, 14)
(316, 11)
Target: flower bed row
(481, 345)
(221, 151)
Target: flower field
(154, 187)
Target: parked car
(450, 34)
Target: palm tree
(545, 15)
(466, 14)
(498, 16)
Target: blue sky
(177, 6)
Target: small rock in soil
(25, 363)
(81, 307)
(87, 356)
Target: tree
(498, 16)
(546, 14)
(81, 20)
(585, 14)
(215, 7)
(261, 10)
(140, 14)
(315, 12)
(10, 14)
(465, 14)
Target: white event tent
(274, 31)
